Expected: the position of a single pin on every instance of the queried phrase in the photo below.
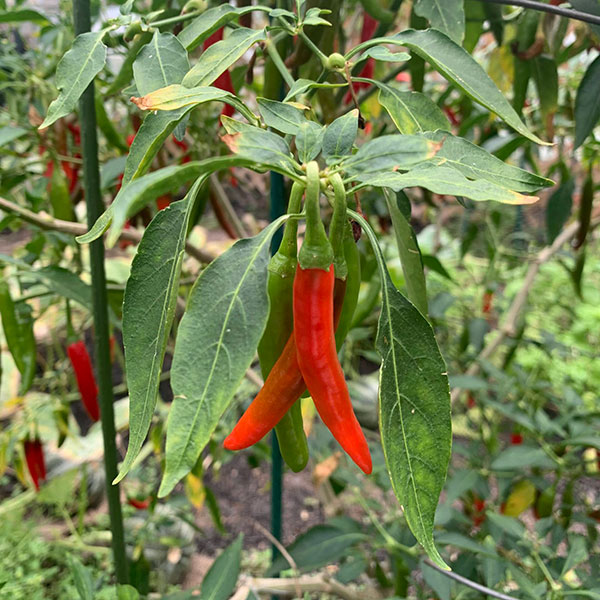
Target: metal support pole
(93, 199)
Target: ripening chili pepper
(139, 504)
(282, 267)
(486, 308)
(314, 331)
(163, 201)
(86, 382)
(34, 456)
(223, 81)
(516, 439)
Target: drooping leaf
(445, 180)
(587, 103)
(216, 342)
(558, 209)
(319, 546)
(175, 96)
(220, 56)
(75, 70)
(412, 112)
(389, 152)
(545, 75)
(408, 249)
(22, 16)
(414, 406)
(340, 135)
(221, 579)
(281, 116)
(309, 141)
(64, 283)
(160, 63)
(447, 16)
(148, 310)
(459, 67)
(474, 162)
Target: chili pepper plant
(346, 125)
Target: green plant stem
(94, 206)
(312, 46)
(271, 48)
(176, 19)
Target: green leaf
(412, 112)
(578, 553)
(137, 194)
(511, 525)
(9, 134)
(476, 163)
(384, 54)
(263, 148)
(592, 7)
(216, 342)
(545, 74)
(148, 310)
(23, 15)
(220, 56)
(388, 152)
(126, 70)
(558, 209)
(459, 67)
(448, 16)
(414, 406)
(127, 592)
(64, 283)
(17, 326)
(587, 103)
(445, 180)
(408, 249)
(82, 578)
(281, 116)
(75, 71)
(340, 135)
(309, 141)
(521, 457)
(160, 63)
(301, 86)
(319, 546)
(177, 96)
(206, 24)
(221, 579)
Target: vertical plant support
(87, 116)
(277, 208)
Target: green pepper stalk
(337, 228)
(282, 267)
(316, 251)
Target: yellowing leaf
(520, 498)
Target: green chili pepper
(352, 256)
(290, 430)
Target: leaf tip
(231, 141)
(141, 102)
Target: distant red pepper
(34, 456)
(451, 114)
(369, 26)
(487, 302)
(163, 201)
(139, 504)
(516, 439)
(86, 382)
(478, 511)
(223, 81)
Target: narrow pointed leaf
(220, 56)
(148, 310)
(216, 342)
(476, 163)
(446, 180)
(176, 96)
(414, 406)
(587, 103)
(221, 580)
(206, 24)
(75, 71)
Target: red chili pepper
(283, 386)
(478, 511)
(487, 302)
(139, 504)
(223, 81)
(319, 364)
(86, 382)
(34, 456)
(163, 201)
(516, 439)
(471, 401)
(451, 114)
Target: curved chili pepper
(319, 364)
(281, 390)
(34, 456)
(86, 382)
(282, 267)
